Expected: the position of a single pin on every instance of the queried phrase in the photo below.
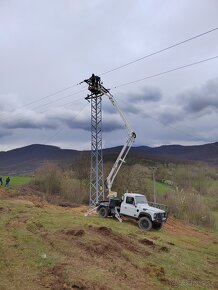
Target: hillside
(26, 159)
(48, 247)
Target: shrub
(59, 185)
(73, 192)
(190, 207)
(48, 178)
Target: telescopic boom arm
(130, 140)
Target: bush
(48, 178)
(59, 185)
(73, 192)
(190, 207)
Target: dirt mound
(153, 245)
(57, 279)
(74, 233)
(178, 227)
(117, 239)
(105, 230)
(147, 242)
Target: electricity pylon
(96, 171)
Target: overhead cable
(159, 51)
(165, 72)
(124, 65)
(51, 95)
(44, 105)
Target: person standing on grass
(7, 183)
(1, 181)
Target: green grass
(161, 187)
(18, 180)
(29, 232)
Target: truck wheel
(157, 226)
(103, 212)
(145, 223)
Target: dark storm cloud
(126, 107)
(28, 120)
(56, 118)
(4, 133)
(30, 124)
(195, 103)
(147, 94)
(171, 117)
(203, 98)
(134, 102)
(109, 124)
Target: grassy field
(18, 180)
(161, 187)
(48, 247)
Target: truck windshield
(141, 199)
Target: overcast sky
(48, 45)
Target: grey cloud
(4, 133)
(198, 103)
(171, 117)
(28, 121)
(147, 94)
(203, 98)
(109, 124)
(30, 124)
(126, 107)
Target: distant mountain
(207, 152)
(26, 159)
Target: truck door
(128, 208)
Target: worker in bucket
(93, 80)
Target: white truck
(134, 206)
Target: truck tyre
(145, 223)
(157, 226)
(103, 212)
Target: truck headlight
(155, 215)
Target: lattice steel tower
(96, 171)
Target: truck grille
(161, 215)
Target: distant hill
(206, 153)
(26, 159)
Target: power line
(50, 95)
(124, 65)
(44, 111)
(159, 51)
(46, 104)
(56, 100)
(165, 72)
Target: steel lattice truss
(96, 174)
